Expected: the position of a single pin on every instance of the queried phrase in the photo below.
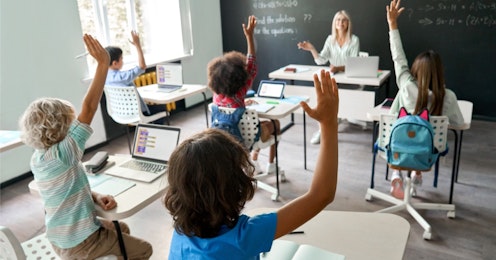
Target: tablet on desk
(271, 89)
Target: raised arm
(94, 93)
(248, 30)
(136, 42)
(323, 187)
(393, 11)
(403, 75)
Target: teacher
(338, 46)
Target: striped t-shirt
(70, 211)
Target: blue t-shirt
(250, 237)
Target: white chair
(124, 106)
(363, 54)
(248, 126)
(35, 248)
(440, 126)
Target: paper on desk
(106, 184)
(293, 99)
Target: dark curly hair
(227, 74)
(210, 179)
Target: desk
(356, 235)
(130, 201)
(354, 103)
(9, 140)
(153, 94)
(466, 109)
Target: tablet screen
(271, 89)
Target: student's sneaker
(397, 188)
(417, 179)
(258, 169)
(271, 168)
(315, 138)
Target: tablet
(271, 89)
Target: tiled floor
(471, 235)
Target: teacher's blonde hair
(46, 122)
(335, 32)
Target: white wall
(39, 40)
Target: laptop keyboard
(144, 166)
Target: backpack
(411, 142)
(228, 122)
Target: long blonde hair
(427, 69)
(335, 32)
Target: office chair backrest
(123, 104)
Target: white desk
(374, 114)
(356, 235)
(9, 140)
(130, 201)
(354, 103)
(153, 94)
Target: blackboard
(463, 32)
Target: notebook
(152, 147)
(271, 89)
(362, 67)
(169, 77)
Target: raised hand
(305, 45)
(249, 29)
(135, 38)
(393, 11)
(96, 50)
(327, 99)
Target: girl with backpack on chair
(420, 87)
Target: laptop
(169, 77)
(362, 67)
(271, 89)
(152, 147)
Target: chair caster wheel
(427, 235)
(451, 214)
(368, 197)
(283, 176)
(274, 197)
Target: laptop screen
(271, 89)
(155, 142)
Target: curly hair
(227, 74)
(46, 122)
(427, 69)
(210, 179)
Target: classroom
(31, 66)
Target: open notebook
(152, 147)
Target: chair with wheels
(35, 248)
(440, 126)
(249, 128)
(124, 106)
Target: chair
(440, 126)
(248, 126)
(124, 106)
(35, 248)
(363, 54)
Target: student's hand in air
(305, 45)
(249, 29)
(106, 202)
(327, 99)
(96, 50)
(393, 11)
(135, 38)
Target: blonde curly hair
(46, 122)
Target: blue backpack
(411, 143)
(228, 122)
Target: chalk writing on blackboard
(472, 14)
(263, 4)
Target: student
(420, 87)
(338, 46)
(118, 77)
(50, 126)
(230, 77)
(211, 178)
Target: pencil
(81, 55)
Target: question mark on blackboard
(307, 17)
(410, 13)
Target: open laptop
(152, 147)
(169, 77)
(362, 67)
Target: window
(164, 27)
